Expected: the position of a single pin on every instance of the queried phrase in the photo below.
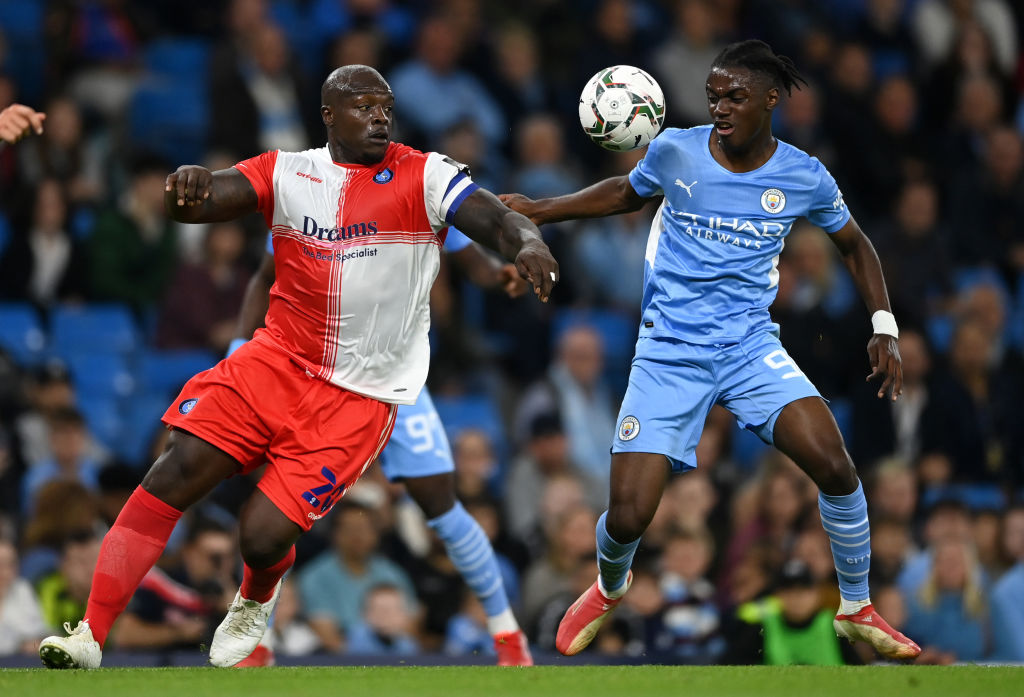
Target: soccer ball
(622, 108)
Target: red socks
(129, 551)
(258, 584)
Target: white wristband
(883, 322)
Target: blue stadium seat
(100, 376)
(21, 22)
(103, 418)
(140, 423)
(178, 58)
(94, 328)
(164, 372)
(472, 411)
(169, 117)
(21, 333)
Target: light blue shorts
(418, 445)
(674, 384)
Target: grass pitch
(544, 681)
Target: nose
(381, 116)
(719, 108)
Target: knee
(625, 523)
(261, 551)
(835, 475)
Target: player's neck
(746, 157)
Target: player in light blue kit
(419, 456)
(730, 194)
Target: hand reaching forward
(511, 282)
(18, 121)
(535, 263)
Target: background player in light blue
(730, 193)
(419, 456)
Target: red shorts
(259, 406)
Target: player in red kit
(357, 227)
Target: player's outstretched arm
(194, 194)
(484, 270)
(487, 221)
(608, 197)
(18, 121)
(861, 259)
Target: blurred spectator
(1007, 611)
(947, 520)
(893, 488)
(43, 264)
(935, 24)
(681, 62)
(543, 168)
(439, 93)
(986, 528)
(333, 585)
(690, 617)
(891, 548)
(70, 461)
(914, 251)
(574, 387)
(179, 608)
(386, 627)
(882, 428)
(968, 416)
(201, 305)
(255, 93)
(884, 30)
(570, 543)
(290, 632)
(116, 483)
(64, 153)
(989, 201)
(133, 248)
(12, 470)
(21, 620)
(44, 533)
(521, 86)
(545, 455)
(467, 630)
(63, 593)
(949, 611)
(790, 627)
(978, 110)
(475, 463)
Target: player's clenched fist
(190, 185)
(18, 121)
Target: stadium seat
(21, 22)
(103, 418)
(21, 333)
(472, 411)
(169, 116)
(95, 328)
(164, 372)
(100, 376)
(140, 422)
(178, 58)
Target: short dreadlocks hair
(757, 56)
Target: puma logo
(679, 183)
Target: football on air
(622, 108)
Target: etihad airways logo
(310, 228)
(739, 233)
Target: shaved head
(352, 79)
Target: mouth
(724, 128)
(378, 137)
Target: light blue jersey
(713, 252)
(712, 258)
(418, 445)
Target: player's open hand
(884, 355)
(191, 185)
(521, 204)
(535, 263)
(511, 282)
(18, 121)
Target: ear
(771, 99)
(326, 115)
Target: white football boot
(240, 632)
(77, 650)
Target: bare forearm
(482, 269)
(608, 197)
(193, 194)
(863, 264)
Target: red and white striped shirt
(356, 250)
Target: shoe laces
(81, 628)
(244, 616)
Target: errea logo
(310, 177)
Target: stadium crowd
(107, 306)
